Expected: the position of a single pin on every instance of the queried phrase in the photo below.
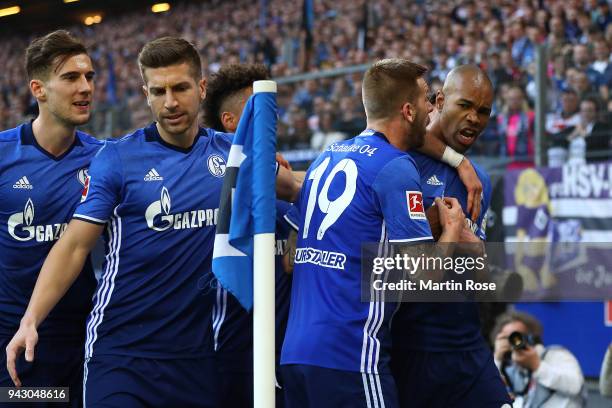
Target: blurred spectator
(326, 133)
(566, 116)
(582, 61)
(536, 376)
(515, 128)
(586, 140)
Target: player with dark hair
(155, 195)
(227, 91)
(366, 189)
(440, 358)
(43, 168)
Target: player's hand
(451, 215)
(527, 358)
(501, 347)
(474, 246)
(26, 339)
(472, 184)
(289, 255)
(282, 161)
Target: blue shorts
(455, 379)
(130, 382)
(307, 386)
(235, 376)
(57, 363)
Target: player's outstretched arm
(62, 266)
(437, 149)
(287, 186)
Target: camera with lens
(520, 341)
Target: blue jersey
(160, 204)
(443, 326)
(233, 325)
(39, 193)
(358, 191)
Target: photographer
(536, 376)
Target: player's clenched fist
(26, 339)
(451, 217)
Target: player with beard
(440, 358)
(337, 348)
(43, 167)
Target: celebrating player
(440, 358)
(227, 91)
(155, 195)
(43, 169)
(337, 348)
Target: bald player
(440, 358)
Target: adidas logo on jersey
(153, 175)
(23, 183)
(433, 181)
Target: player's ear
(38, 90)
(145, 90)
(439, 100)
(202, 87)
(408, 112)
(229, 122)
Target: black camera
(520, 341)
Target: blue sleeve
(102, 190)
(292, 215)
(487, 190)
(398, 190)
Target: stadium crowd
(499, 35)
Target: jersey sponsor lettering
(159, 217)
(22, 228)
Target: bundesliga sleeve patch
(416, 210)
(85, 188)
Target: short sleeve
(292, 215)
(397, 188)
(102, 188)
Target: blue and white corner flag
(248, 196)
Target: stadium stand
(500, 36)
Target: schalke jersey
(38, 194)
(363, 190)
(441, 326)
(159, 204)
(233, 325)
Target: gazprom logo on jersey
(20, 226)
(159, 217)
(216, 165)
(319, 257)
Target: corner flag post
(264, 376)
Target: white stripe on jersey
(85, 372)
(86, 217)
(219, 310)
(411, 239)
(105, 289)
(370, 350)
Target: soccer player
(227, 91)
(440, 358)
(154, 193)
(43, 168)
(337, 348)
